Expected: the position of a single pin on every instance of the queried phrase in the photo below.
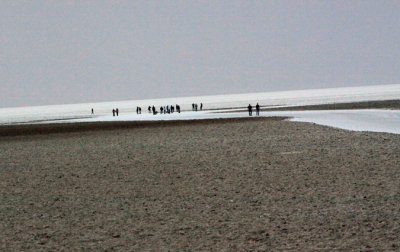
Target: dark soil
(235, 185)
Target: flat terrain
(219, 185)
(386, 104)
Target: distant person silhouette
(192, 106)
(137, 110)
(113, 111)
(250, 108)
(92, 111)
(154, 110)
(201, 106)
(257, 109)
(149, 109)
(178, 108)
(161, 110)
(117, 111)
(140, 110)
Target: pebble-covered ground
(230, 185)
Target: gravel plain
(216, 185)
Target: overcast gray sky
(55, 52)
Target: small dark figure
(250, 110)
(154, 110)
(137, 110)
(117, 111)
(201, 106)
(195, 107)
(149, 109)
(113, 112)
(165, 110)
(161, 110)
(140, 110)
(178, 108)
(172, 109)
(92, 111)
(192, 106)
(257, 109)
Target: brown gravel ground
(235, 185)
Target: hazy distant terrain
(345, 95)
(388, 104)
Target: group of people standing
(250, 109)
(169, 109)
(195, 106)
(115, 112)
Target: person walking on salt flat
(250, 108)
